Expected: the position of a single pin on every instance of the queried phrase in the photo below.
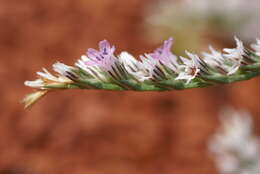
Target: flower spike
(157, 71)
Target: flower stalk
(157, 71)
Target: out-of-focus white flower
(234, 147)
(256, 47)
(231, 7)
(239, 17)
(230, 165)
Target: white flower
(191, 67)
(93, 70)
(228, 63)
(213, 59)
(256, 47)
(47, 78)
(38, 83)
(235, 56)
(64, 70)
(134, 67)
(152, 67)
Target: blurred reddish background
(94, 132)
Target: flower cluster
(159, 70)
(234, 148)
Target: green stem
(162, 85)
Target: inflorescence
(160, 70)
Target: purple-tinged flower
(104, 58)
(164, 55)
(93, 70)
(153, 68)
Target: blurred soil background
(99, 132)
